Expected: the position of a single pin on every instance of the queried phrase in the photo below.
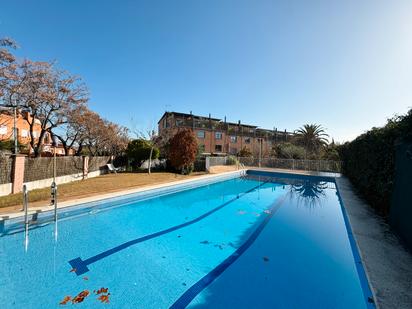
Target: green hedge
(369, 160)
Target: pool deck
(388, 264)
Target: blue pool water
(247, 242)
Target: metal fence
(5, 169)
(42, 168)
(291, 164)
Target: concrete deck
(387, 262)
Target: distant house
(23, 133)
(219, 137)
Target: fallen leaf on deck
(73, 270)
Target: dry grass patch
(89, 187)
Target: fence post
(207, 163)
(85, 166)
(18, 173)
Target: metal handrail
(25, 205)
(54, 198)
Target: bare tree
(152, 137)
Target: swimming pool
(262, 240)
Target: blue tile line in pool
(80, 266)
(184, 300)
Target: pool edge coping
(118, 194)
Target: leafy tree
(288, 151)
(313, 137)
(182, 150)
(245, 152)
(139, 150)
(330, 152)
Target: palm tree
(312, 137)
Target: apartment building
(219, 137)
(23, 132)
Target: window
(233, 151)
(233, 139)
(201, 134)
(218, 135)
(3, 130)
(179, 122)
(218, 148)
(247, 140)
(24, 133)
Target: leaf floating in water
(73, 270)
(241, 212)
(266, 259)
(205, 242)
(256, 214)
(104, 298)
(102, 290)
(80, 297)
(66, 300)
(184, 284)
(85, 278)
(267, 211)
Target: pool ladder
(26, 202)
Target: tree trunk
(150, 160)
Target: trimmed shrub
(182, 151)
(369, 160)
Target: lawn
(89, 187)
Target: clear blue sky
(344, 64)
